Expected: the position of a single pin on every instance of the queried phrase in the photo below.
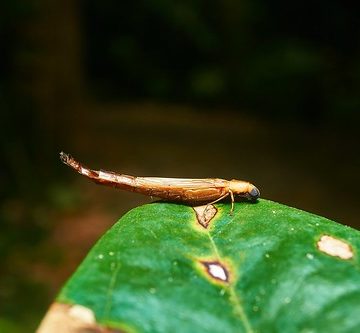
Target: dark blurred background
(256, 90)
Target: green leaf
(266, 268)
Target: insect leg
(232, 202)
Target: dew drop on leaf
(287, 300)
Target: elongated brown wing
(173, 189)
(182, 189)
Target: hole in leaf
(216, 270)
(334, 247)
(204, 214)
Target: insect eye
(255, 193)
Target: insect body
(190, 191)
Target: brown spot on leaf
(72, 319)
(335, 247)
(204, 214)
(216, 270)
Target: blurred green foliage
(292, 59)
